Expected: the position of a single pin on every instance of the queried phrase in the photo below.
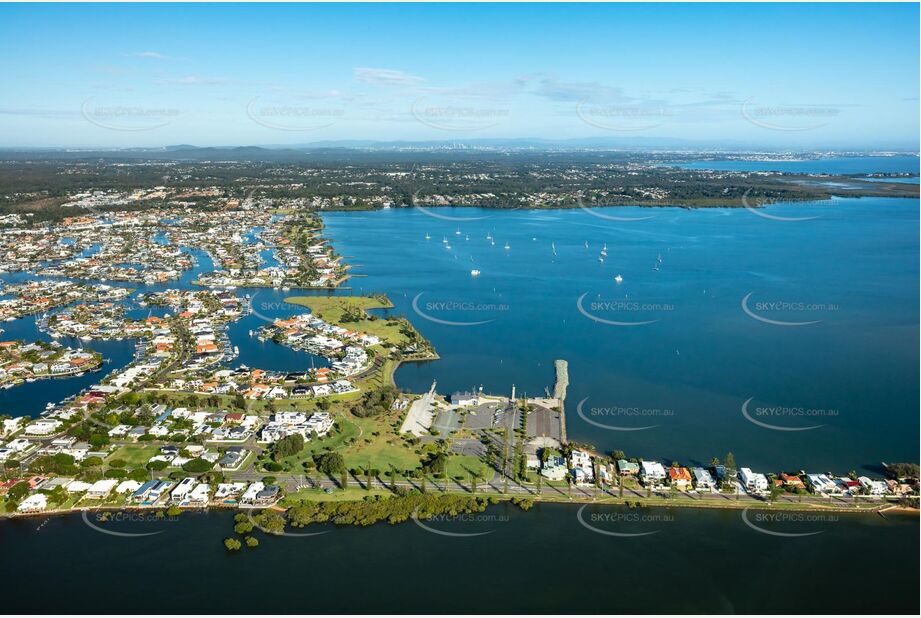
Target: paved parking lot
(447, 421)
(482, 417)
(544, 423)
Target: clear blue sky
(815, 75)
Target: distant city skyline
(807, 76)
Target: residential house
(703, 481)
(753, 481)
(652, 472)
(680, 478)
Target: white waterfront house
(753, 481)
(652, 472)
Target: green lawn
(332, 309)
(135, 455)
(461, 465)
(381, 451)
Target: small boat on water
(427, 237)
(474, 273)
(444, 240)
(507, 246)
(447, 246)
(457, 232)
(618, 279)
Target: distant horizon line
(536, 144)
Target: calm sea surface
(553, 558)
(813, 322)
(829, 165)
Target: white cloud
(150, 54)
(386, 77)
(193, 80)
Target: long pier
(559, 393)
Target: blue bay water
(717, 555)
(852, 375)
(824, 165)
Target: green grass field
(134, 455)
(333, 308)
(463, 465)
